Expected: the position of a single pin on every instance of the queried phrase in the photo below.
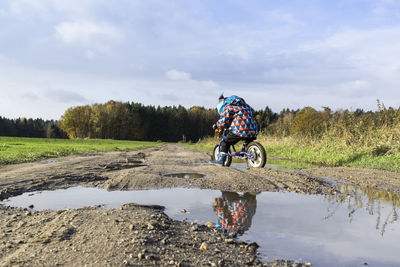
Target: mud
(366, 178)
(136, 235)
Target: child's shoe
(221, 159)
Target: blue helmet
(221, 103)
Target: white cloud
(90, 54)
(30, 96)
(210, 84)
(282, 17)
(366, 62)
(380, 11)
(240, 52)
(372, 52)
(200, 51)
(24, 92)
(181, 76)
(18, 7)
(355, 89)
(86, 32)
(384, 8)
(175, 75)
(63, 96)
(46, 8)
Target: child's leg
(229, 140)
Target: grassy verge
(332, 153)
(206, 144)
(18, 150)
(327, 152)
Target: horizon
(187, 108)
(57, 54)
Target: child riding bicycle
(237, 117)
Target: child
(237, 117)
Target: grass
(330, 152)
(326, 152)
(206, 144)
(19, 150)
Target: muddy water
(186, 175)
(275, 164)
(352, 229)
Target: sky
(56, 54)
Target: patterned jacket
(237, 116)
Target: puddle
(189, 175)
(49, 161)
(358, 227)
(334, 182)
(239, 165)
(275, 164)
(91, 155)
(290, 164)
(120, 165)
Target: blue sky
(55, 54)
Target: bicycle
(253, 152)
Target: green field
(18, 150)
(334, 154)
(320, 153)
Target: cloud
(369, 53)
(170, 97)
(63, 96)
(209, 84)
(175, 75)
(276, 54)
(43, 9)
(240, 52)
(351, 66)
(181, 76)
(30, 96)
(90, 54)
(280, 16)
(18, 7)
(86, 32)
(385, 8)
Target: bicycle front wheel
(259, 156)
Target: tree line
(135, 121)
(23, 127)
(125, 121)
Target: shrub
(309, 122)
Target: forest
(135, 121)
(23, 127)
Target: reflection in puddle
(325, 230)
(272, 163)
(189, 175)
(275, 164)
(235, 211)
(357, 199)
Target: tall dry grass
(341, 138)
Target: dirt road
(137, 235)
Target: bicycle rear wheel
(215, 156)
(259, 156)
